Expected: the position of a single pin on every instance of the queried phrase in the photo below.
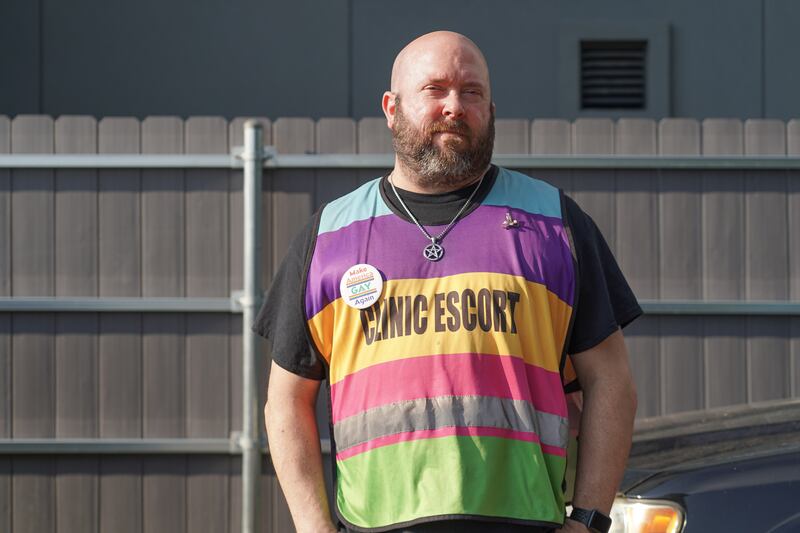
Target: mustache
(450, 126)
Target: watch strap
(591, 518)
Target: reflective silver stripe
(450, 411)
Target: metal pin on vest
(510, 222)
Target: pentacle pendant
(433, 252)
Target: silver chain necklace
(434, 251)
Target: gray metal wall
(732, 58)
(710, 235)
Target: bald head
(439, 52)
(440, 112)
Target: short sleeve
(605, 300)
(281, 319)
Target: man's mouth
(450, 133)
(454, 129)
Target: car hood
(714, 437)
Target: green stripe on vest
(486, 476)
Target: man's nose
(453, 107)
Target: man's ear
(389, 105)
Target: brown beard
(445, 168)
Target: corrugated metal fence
(727, 232)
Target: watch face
(600, 522)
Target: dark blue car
(734, 470)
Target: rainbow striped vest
(447, 394)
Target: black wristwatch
(591, 518)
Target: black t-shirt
(605, 301)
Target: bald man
(449, 306)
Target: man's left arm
(609, 407)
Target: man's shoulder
(359, 204)
(525, 181)
(528, 193)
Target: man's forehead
(450, 59)
(440, 56)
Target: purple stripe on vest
(539, 252)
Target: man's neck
(404, 178)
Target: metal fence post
(253, 157)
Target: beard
(450, 166)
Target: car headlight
(646, 516)
(629, 515)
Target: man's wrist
(571, 526)
(592, 519)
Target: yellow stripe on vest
(481, 312)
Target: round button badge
(361, 286)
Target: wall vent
(613, 74)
